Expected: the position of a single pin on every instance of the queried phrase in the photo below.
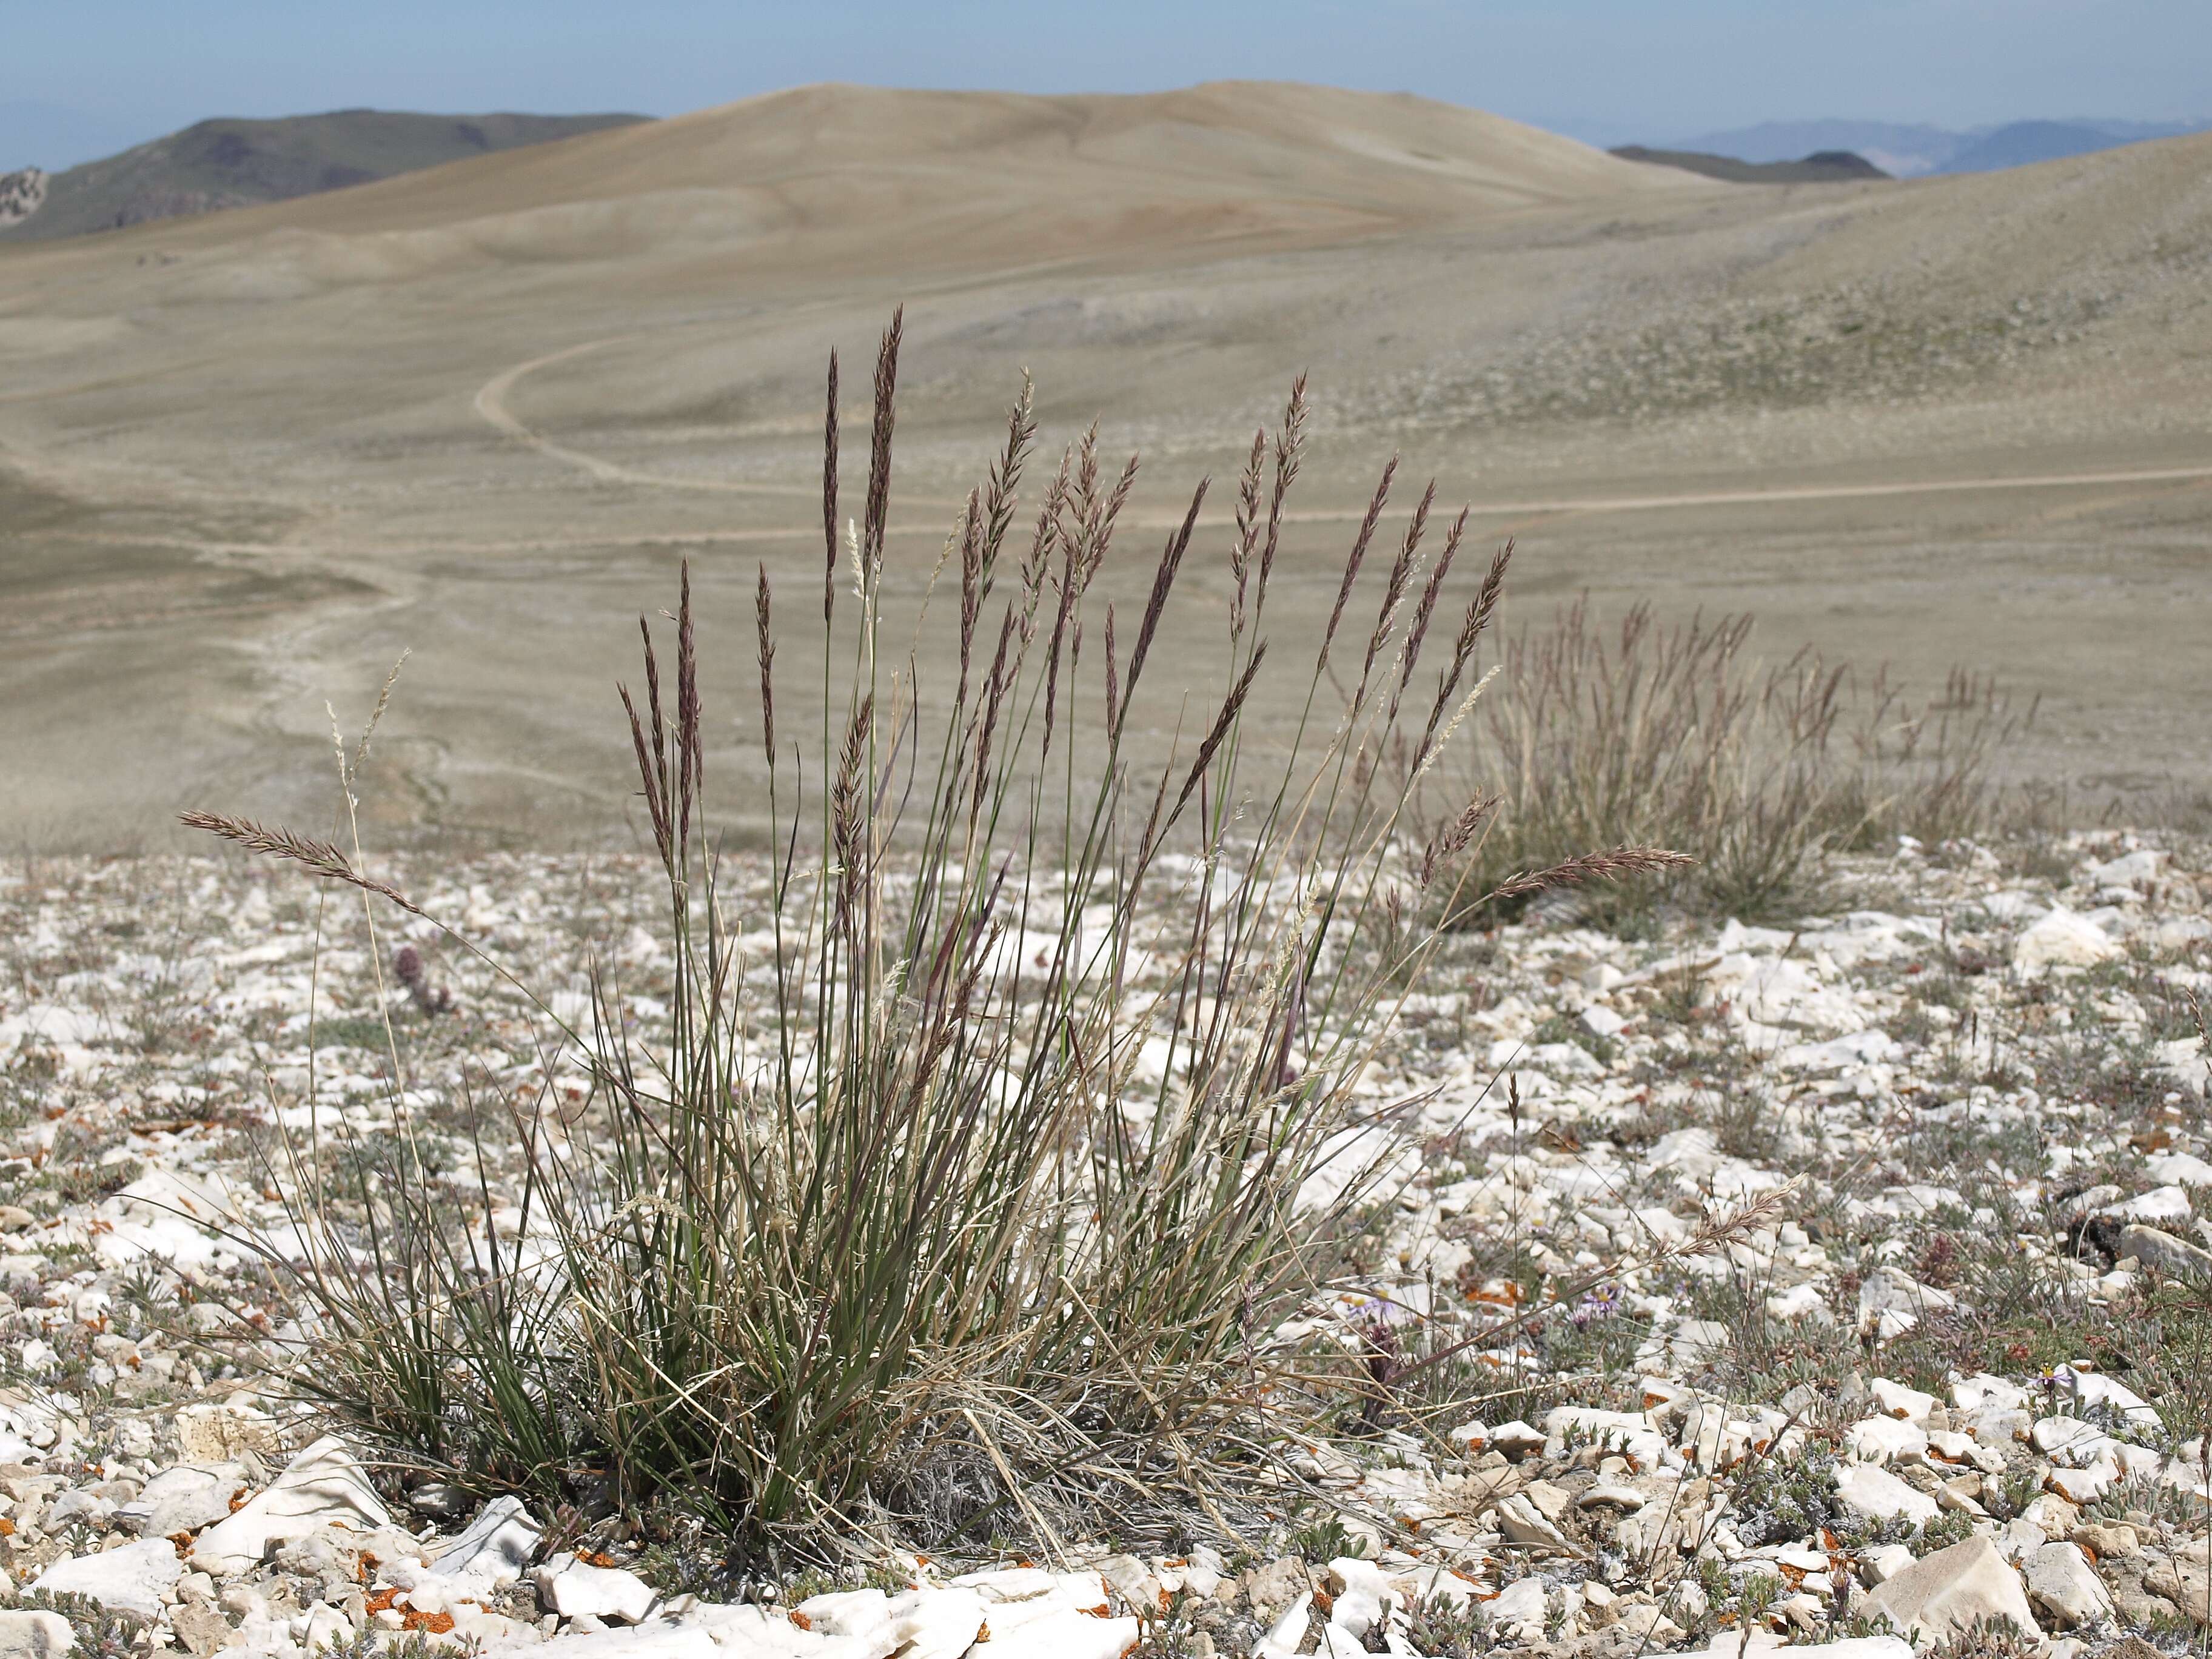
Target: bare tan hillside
(478, 410)
(822, 154)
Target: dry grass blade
(877, 510)
(1610, 864)
(764, 651)
(1394, 587)
(1358, 555)
(829, 498)
(1290, 449)
(1164, 578)
(1454, 838)
(318, 858)
(1232, 707)
(1430, 592)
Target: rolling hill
(220, 164)
(249, 458)
(820, 177)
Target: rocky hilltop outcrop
(22, 194)
(227, 163)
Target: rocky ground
(1844, 1286)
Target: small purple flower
(410, 970)
(1600, 1302)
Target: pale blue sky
(87, 76)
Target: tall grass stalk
(967, 1204)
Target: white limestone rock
(2178, 1168)
(2134, 869)
(1944, 1594)
(577, 1590)
(2176, 1257)
(2064, 1585)
(1876, 1493)
(1891, 1302)
(1520, 1605)
(1521, 1523)
(936, 1624)
(492, 1551)
(2097, 1389)
(132, 1579)
(1898, 1400)
(35, 1635)
(326, 1626)
(1063, 1634)
(2061, 940)
(658, 1640)
(322, 1486)
(1888, 1440)
(1882, 1562)
(1288, 1633)
(1733, 1645)
(184, 1498)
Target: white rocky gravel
(1932, 1379)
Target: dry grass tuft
(968, 1204)
(1646, 735)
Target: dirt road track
(491, 404)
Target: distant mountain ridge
(2025, 143)
(1908, 151)
(228, 163)
(1822, 166)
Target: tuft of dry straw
(845, 805)
(1394, 587)
(1289, 447)
(1426, 609)
(1164, 576)
(1359, 554)
(1242, 550)
(691, 752)
(1452, 840)
(1610, 865)
(765, 649)
(318, 858)
(879, 450)
(1480, 609)
(1232, 706)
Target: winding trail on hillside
(1838, 492)
(492, 406)
(491, 403)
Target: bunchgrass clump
(963, 1192)
(1678, 735)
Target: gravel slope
(1963, 1112)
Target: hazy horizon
(110, 76)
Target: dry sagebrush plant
(967, 1203)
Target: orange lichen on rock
(431, 1624)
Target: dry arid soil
(481, 412)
